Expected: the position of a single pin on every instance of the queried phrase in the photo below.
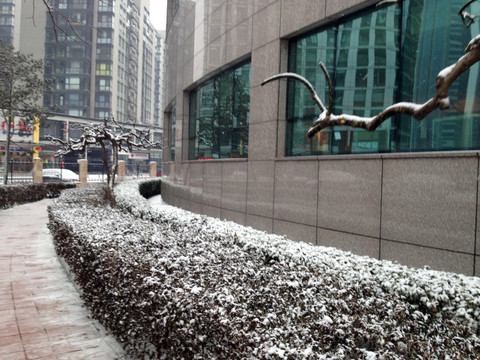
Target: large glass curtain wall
(379, 57)
(219, 116)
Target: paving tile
(30, 326)
(39, 338)
(8, 329)
(10, 348)
(26, 312)
(9, 340)
(41, 313)
(20, 355)
(39, 352)
(7, 316)
(6, 306)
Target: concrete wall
(418, 209)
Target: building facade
(105, 57)
(102, 57)
(238, 150)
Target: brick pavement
(41, 313)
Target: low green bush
(15, 194)
(149, 188)
(175, 285)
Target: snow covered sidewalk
(41, 313)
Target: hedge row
(176, 285)
(149, 188)
(15, 194)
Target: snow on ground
(175, 284)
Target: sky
(158, 13)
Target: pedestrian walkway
(41, 313)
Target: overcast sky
(158, 13)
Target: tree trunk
(110, 196)
(105, 162)
(7, 147)
(115, 163)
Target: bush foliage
(14, 194)
(149, 188)
(175, 285)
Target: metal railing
(22, 171)
(18, 172)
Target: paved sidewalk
(41, 313)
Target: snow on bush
(14, 194)
(172, 284)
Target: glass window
(104, 85)
(349, 51)
(172, 132)
(102, 114)
(80, 4)
(105, 21)
(74, 100)
(105, 36)
(105, 53)
(427, 47)
(74, 67)
(220, 116)
(72, 83)
(6, 9)
(103, 69)
(105, 6)
(102, 100)
(369, 48)
(76, 51)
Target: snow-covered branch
(418, 111)
(467, 18)
(107, 134)
(100, 133)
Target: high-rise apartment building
(105, 56)
(102, 54)
(7, 20)
(160, 53)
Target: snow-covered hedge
(13, 194)
(181, 285)
(150, 187)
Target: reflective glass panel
(434, 38)
(379, 57)
(219, 116)
(361, 57)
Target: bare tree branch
(331, 93)
(388, 2)
(103, 135)
(467, 18)
(71, 22)
(418, 111)
(300, 78)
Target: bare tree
(21, 89)
(109, 134)
(441, 100)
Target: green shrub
(176, 285)
(150, 188)
(15, 194)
